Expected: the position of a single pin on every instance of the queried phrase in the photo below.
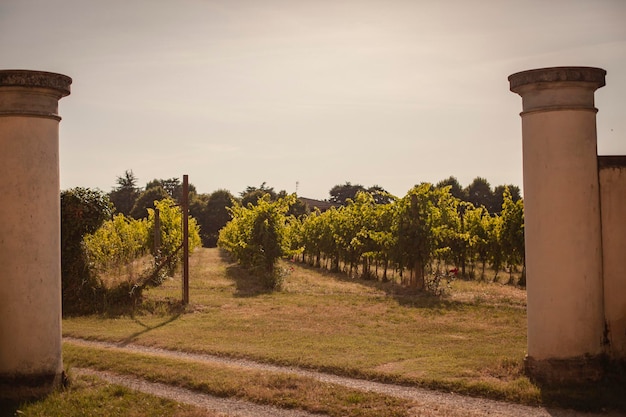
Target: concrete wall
(612, 176)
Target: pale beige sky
(236, 93)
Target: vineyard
(108, 260)
(422, 241)
(418, 237)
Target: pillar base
(27, 387)
(583, 369)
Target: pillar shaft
(562, 219)
(30, 265)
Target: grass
(327, 322)
(282, 390)
(91, 396)
(471, 341)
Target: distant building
(321, 205)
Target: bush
(82, 211)
(171, 218)
(116, 243)
(256, 237)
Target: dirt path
(428, 403)
(220, 406)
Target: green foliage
(211, 212)
(257, 236)
(252, 194)
(173, 187)
(171, 217)
(146, 200)
(423, 222)
(419, 233)
(455, 187)
(512, 231)
(478, 226)
(125, 194)
(498, 196)
(117, 242)
(82, 211)
(340, 194)
(479, 193)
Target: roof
(322, 205)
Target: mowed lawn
(472, 340)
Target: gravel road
(428, 403)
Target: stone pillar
(562, 222)
(30, 257)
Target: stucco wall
(30, 312)
(612, 177)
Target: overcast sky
(316, 93)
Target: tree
(252, 194)
(83, 211)
(217, 215)
(125, 194)
(418, 228)
(380, 195)
(455, 187)
(173, 187)
(479, 194)
(146, 201)
(498, 196)
(340, 194)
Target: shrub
(256, 237)
(117, 242)
(171, 237)
(82, 211)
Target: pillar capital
(32, 93)
(36, 79)
(545, 76)
(557, 88)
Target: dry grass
(131, 272)
(90, 396)
(471, 341)
(494, 294)
(261, 387)
(329, 322)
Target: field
(470, 341)
(328, 322)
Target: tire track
(429, 402)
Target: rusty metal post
(185, 210)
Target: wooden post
(185, 209)
(157, 232)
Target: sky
(305, 95)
